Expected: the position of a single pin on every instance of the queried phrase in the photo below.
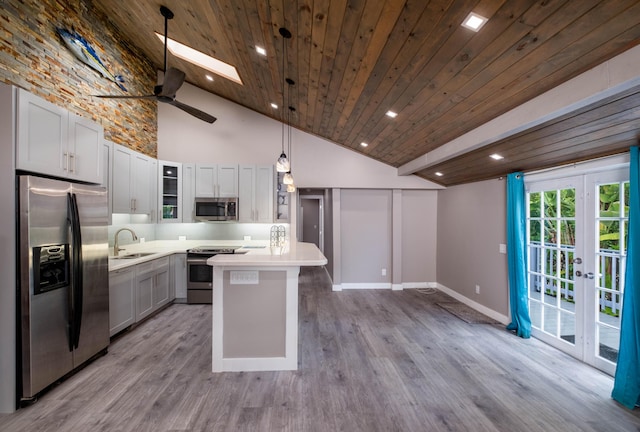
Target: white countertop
(161, 248)
(297, 254)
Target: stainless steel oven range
(199, 274)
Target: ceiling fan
(173, 80)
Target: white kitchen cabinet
(170, 191)
(179, 277)
(145, 280)
(216, 181)
(53, 141)
(188, 191)
(152, 286)
(162, 284)
(107, 152)
(134, 179)
(255, 193)
(122, 302)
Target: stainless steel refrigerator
(63, 279)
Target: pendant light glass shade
(291, 188)
(283, 165)
(288, 178)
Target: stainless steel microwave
(216, 209)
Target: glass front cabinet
(170, 191)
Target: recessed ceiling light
(274, 106)
(474, 22)
(439, 174)
(201, 59)
(392, 114)
(496, 156)
(209, 77)
(261, 50)
(364, 144)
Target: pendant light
(283, 165)
(288, 177)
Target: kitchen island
(255, 307)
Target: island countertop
(297, 254)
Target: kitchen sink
(133, 255)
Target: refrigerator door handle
(70, 312)
(76, 287)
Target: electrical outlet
(477, 289)
(384, 272)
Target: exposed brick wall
(33, 56)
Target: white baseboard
(475, 305)
(336, 287)
(366, 285)
(412, 285)
(396, 287)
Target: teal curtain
(626, 387)
(517, 255)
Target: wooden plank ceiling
(353, 60)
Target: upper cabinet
(216, 181)
(188, 191)
(134, 180)
(256, 193)
(170, 191)
(53, 141)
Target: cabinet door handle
(133, 205)
(65, 165)
(72, 162)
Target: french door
(576, 238)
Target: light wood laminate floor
(369, 361)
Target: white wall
(365, 237)
(244, 136)
(419, 235)
(471, 227)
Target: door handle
(589, 275)
(577, 260)
(578, 273)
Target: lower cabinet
(139, 291)
(122, 304)
(179, 277)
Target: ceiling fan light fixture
(474, 22)
(201, 59)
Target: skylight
(201, 59)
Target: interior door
(576, 237)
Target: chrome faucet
(116, 249)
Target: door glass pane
(612, 224)
(535, 312)
(550, 317)
(534, 204)
(568, 203)
(568, 327)
(550, 204)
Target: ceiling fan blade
(173, 80)
(193, 111)
(125, 97)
